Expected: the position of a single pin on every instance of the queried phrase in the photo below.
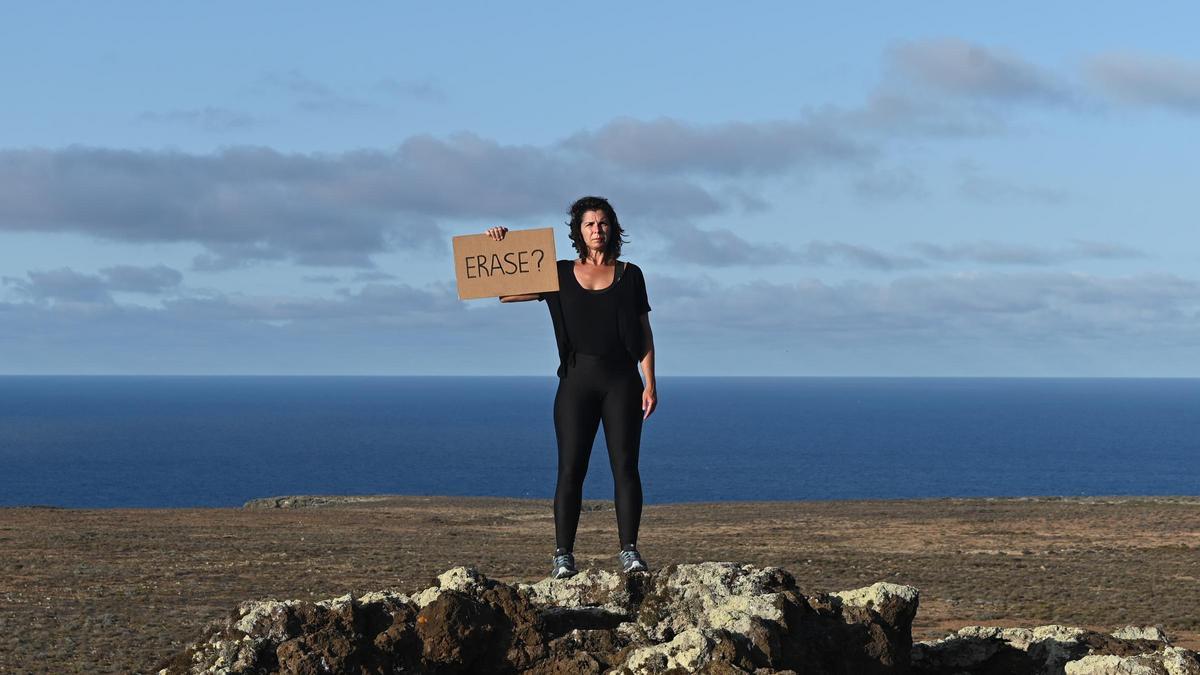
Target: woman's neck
(594, 258)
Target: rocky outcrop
(1053, 650)
(311, 501)
(712, 617)
(716, 617)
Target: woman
(602, 327)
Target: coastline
(132, 584)
(383, 500)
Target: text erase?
(524, 262)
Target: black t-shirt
(601, 322)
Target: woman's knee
(572, 472)
(626, 470)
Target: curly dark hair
(612, 245)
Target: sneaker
(631, 561)
(564, 566)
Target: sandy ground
(115, 590)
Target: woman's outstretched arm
(523, 297)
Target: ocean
(97, 442)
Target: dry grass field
(115, 590)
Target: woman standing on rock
(602, 327)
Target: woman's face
(594, 228)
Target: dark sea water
(219, 441)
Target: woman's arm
(650, 395)
(523, 297)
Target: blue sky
(852, 189)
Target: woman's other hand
(497, 232)
(649, 401)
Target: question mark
(541, 255)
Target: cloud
(1105, 250)
(998, 253)
(245, 204)
(248, 204)
(374, 275)
(979, 187)
(890, 113)
(67, 285)
(416, 90)
(885, 184)
(920, 100)
(832, 252)
(399, 328)
(720, 247)
(944, 89)
(1019, 308)
(61, 284)
(379, 330)
(311, 95)
(1048, 302)
(315, 96)
(1139, 79)
(209, 119)
(960, 68)
(901, 106)
(131, 279)
(921, 321)
(667, 145)
(391, 304)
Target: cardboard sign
(524, 262)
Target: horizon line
(672, 376)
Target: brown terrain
(117, 590)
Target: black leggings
(593, 389)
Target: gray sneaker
(631, 561)
(564, 566)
